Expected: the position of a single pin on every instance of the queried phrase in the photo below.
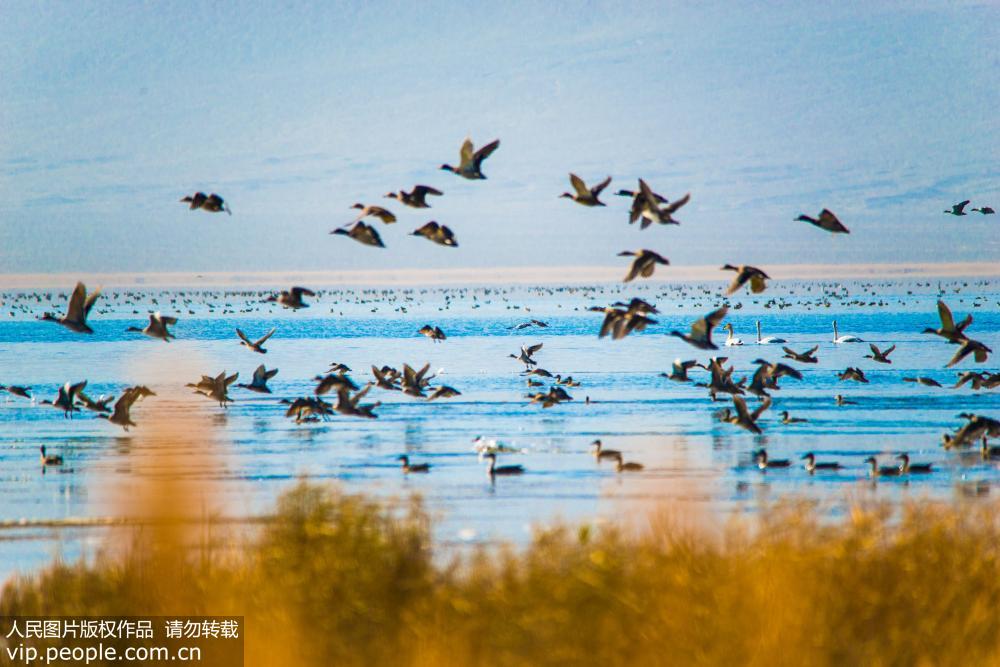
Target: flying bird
(701, 330)
(383, 214)
(826, 220)
(361, 233)
(212, 203)
(746, 274)
(417, 198)
(439, 234)
(157, 327)
(292, 298)
(77, 312)
(255, 346)
(584, 195)
(958, 209)
(644, 263)
(471, 163)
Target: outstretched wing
(597, 189)
(944, 312)
(243, 336)
(485, 152)
(578, 185)
(466, 155)
(677, 204)
(268, 335)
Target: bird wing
(760, 409)
(266, 336)
(874, 349)
(75, 309)
(166, 319)
(88, 305)
(533, 348)
(757, 284)
(466, 154)
(702, 328)
(811, 351)
(299, 291)
(231, 379)
(960, 205)
(678, 203)
(597, 189)
(741, 408)
(581, 188)
(243, 337)
(889, 351)
(423, 190)
(738, 281)
(947, 321)
(485, 152)
(259, 375)
(635, 269)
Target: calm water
(690, 457)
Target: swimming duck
(838, 339)
(471, 161)
(259, 382)
(812, 466)
(770, 340)
(597, 448)
(746, 274)
(361, 233)
(50, 459)
(255, 346)
(292, 298)
(840, 400)
(417, 198)
(807, 357)
(764, 462)
(584, 195)
(958, 209)
(434, 333)
(79, 308)
(826, 220)
(439, 234)
(882, 471)
(881, 356)
(566, 381)
(786, 418)
(495, 470)
(623, 466)
(413, 467)
(644, 263)
(949, 330)
(730, 339)
(701, 330)
(383, 214)
(212, 203)
(908, 468)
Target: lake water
(690, 458)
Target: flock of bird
(620, 319)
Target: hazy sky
(110, 112)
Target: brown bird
(584, 195)
(255, 346)
(212, 203)
(417, 198)
(744, 274)
(644, 263)
(413, 467)
(646, 205)
(292, 298)
(79, 308)
(439, 234)
(434, 333)
(880, 356)
(973, 347)
(361, 233)
(701, 330)
(807, 357)
(826, 220)
(851, 373)
(471, 163)
(926, 381)
(953, 333)
(383, 214)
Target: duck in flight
(292, 298)
(970, 347)
(744, 418)
(679, 370)
(826, 220)
(526, 354)
(586, 196)
(646, 205)
(851, 373)
(644, 263)
(807, 357)
(439, 234)
(383, 214)
(958, 209)
(881, 356)
(471, 161)
(157, 327)
(434, 333)
(953, 333)
(529, 323)
(984, 210)
(122, 412)
(212, 203)
(259, 381)
(362, 233)
(23, 392)
(746, 274)
(926, 381)
(701, 330)
(417, 198)
(77, 312)
(257, 345)
(66, 398)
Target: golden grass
(340, 579)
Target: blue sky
(110, 112)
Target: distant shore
(568, 275)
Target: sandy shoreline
(489, 276)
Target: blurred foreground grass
(339, 579)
